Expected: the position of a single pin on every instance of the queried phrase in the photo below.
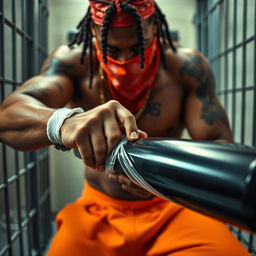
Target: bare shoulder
(186, 57)
(190, 65)
(63, 61)
(192, 59)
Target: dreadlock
(85, 33)
(129, 9)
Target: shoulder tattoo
(211, 110)
(36, 90)
(57, 67)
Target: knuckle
(129, 117)
(105, 110)
(113, 103)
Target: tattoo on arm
(154, 109)
(212, 110)
(58, 85)
(57, 67)
(37, 91)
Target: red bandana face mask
(128, 83)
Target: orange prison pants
(98, 225)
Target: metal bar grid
(244, 66)
(25, 220)
(254, 78)
(18, 30)
(231, 49)
(211, 9)
(18, 174)
(235, 81)
(17, 181)
(235, 90)
(234, 78)
(7, 81)
(6, 207)
(226, 32)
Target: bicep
(52, 91)
(54, 86)
(205, 118)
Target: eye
(112, 49)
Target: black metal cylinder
(216, 179)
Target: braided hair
(84, 33)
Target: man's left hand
(129, 186)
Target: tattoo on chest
(211, 110)
(57, 67)
(154, 109)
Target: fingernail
(134, 135)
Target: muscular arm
(24, 114)
(204, 116)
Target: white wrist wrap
(56, 121)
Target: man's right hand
(97, 131)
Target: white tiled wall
(66, 170)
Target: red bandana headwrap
(145, 9)
(129, 83)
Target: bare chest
(162, 114)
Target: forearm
(23, 123)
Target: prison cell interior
(25, 221)
(226, 35)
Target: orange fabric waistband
(91, 194)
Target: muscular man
(128, 77)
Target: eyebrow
(114, 47)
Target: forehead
(125, 33)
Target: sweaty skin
(183, 96)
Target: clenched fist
(97, 131)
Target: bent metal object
(216, 179)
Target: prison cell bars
(207, 12)
(34, 229)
